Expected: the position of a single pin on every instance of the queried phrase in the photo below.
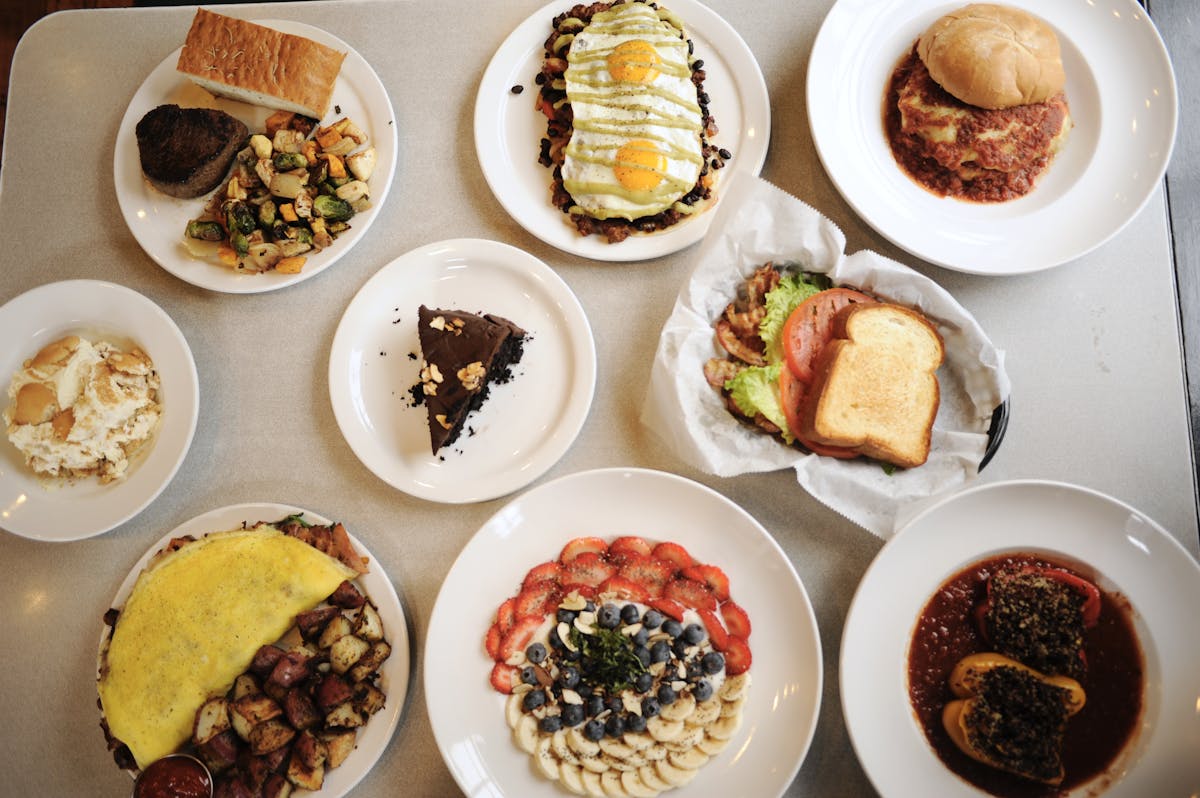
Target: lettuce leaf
(781, 301)
(756, 390)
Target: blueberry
(641, 636)
(533, 699)
(666, 695)
(590, 606)
(571, 656)
(660, 651)
(556, 642)
(566, 616)
(702, 690)
(650, 707)
(595, 705)
(693, 633)
(593, 730)
(572, 714)
(635, 723)
(614, 726)
(672, 627)
(536, 653)
(694, 670)
(652, 619)
(550, 724)
(681, 647)
(529, 675)
(643, 654)
(608, 617)
(713, 662)
(630, 614)
(568, 677)
(614, 704)
(643, 682)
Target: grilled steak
(186, 152)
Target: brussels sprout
(332, 209)
(205, 231)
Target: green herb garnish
(607, 658)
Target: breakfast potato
(306, 767)
(346, 652)
(251, 710)
(276, 786)
(270, 736)
(369, 662)
(211, 719)
(338, 746)
(337, 628)
(345, 716)
(368, 624)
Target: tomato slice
(810, 326)
(791, 391)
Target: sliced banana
(655, 752)
(712, 746)
(632, 781)
(615, 748)
(591, 784)
(689, 738)
(676, 777)
(734, 687)
(547, 763)
(512, 710)
(651, 779)
(526, 734)
(612, 786)
(725, 727)
(638, 741)
(562, 749)
(615, 763)
(595, 763)
(664, 731)
(679, 709)
(732, 707)
(572, 778)
(580, 744)
(691, 759)
(706, 712)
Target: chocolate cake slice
(462, 355)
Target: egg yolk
(634, 62)
(639, 165)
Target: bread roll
(259, 65)
(993, 56)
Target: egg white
(609, 113)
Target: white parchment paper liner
(756, 222)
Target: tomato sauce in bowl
(174, 776)
(1114, 682)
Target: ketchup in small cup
(174, 776)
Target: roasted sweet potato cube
(368, 624)
(211, 719)
(346, 652)
(331, 691)
(369, 663)
(312, 623)
(300, 710)
(344, 716)
(336, 629)
(338, 745)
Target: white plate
(45, 510)
(1132, 555)
(780, 713)
(508, 129)
(523, 428)
(1123, 99)
(373, 738)
(157, 221)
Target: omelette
(636, 145)
(192, 623)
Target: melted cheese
(192, 624)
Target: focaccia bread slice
(875, 387)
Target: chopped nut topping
(431, 376)
(438, 322)
(441, 419)
(471, 376)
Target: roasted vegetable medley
(292, 191)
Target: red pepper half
(1090, 611)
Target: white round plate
(525, 425)
(373, 738)
(157, 221)
(508, 129)
(1132, 556)
(1122, 94)
(780, 713)
(59, 511)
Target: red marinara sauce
(175, 776)
(1114, 684)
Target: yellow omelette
(192, 624)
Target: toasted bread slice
(875, 388)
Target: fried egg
(635, 148)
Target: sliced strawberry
(506, 614)
(666, 606)
(690, 593)
(537, 599)
(675, 554)
(716, 630)
(712, 576)
(588, 569)
(505, 677)
(628, 546)
(547, 571)
(579, 546)
(518, 637)
(625, 588)
(737, 656)
(736, 619)
(491, 641)
(648, 572)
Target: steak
(186, 152)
